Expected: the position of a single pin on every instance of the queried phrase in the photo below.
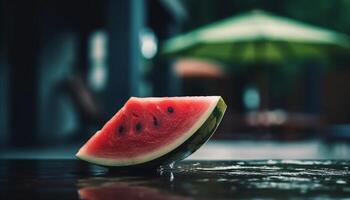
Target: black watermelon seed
(138, 127)
(120, 129)
(170, 109)
(155, 121)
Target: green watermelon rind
(202, 132)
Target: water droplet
(171, 165)
(271, 162)
(196, 164)
(171, 179)
(341, 182)
(160, 170)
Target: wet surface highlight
(263, 179)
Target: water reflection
(112, 188)
(263, 179)
(224, 179)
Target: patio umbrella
(257, 36)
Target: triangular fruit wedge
(151, 131)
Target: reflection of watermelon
(123, 190)
(153, 131)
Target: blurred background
(282, 67)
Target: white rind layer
(157, 153)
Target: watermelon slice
(148, 132)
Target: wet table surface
(265, 179)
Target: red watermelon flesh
(147, 128)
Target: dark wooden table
(266, 179)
